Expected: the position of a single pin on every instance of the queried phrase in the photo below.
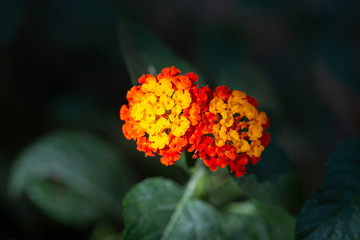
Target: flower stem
(195, 178)
(199, 172)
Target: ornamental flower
(162, 113)
(169, 113)
(231, 132)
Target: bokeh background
(62, 67)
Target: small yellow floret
(175, 112)
(237, 97)
(249, 111)
(220, 135)
(182, 98)
(223, 133)
(255, 131)
(179, 126)
(150, 84)
(227, 119)
(149, 115)
(161, 125)
(158, 109)
(167, 102)
(159, 141)
(164, 87)
(148, 127)
(137, 112)
(217, 105)
(235, 109)
(234, 135)
(242, 146)
(261, 118)
(219, 142)
(149, 99)
(255, 149)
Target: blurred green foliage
(73, 177)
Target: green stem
(195, 178)
(199, 172)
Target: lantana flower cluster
(168, 114)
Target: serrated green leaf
(156, 209)
(73, 177)
(273, 180)
(249, 221)
(333, 211)
(144, 53)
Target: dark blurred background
(61, 68)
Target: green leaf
(73, 177)
(333, 211)
(248, 221)
(273, 180)
(62, 203)
(160, 209)
(144, 53)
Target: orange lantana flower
(161, 114)
(169, 113)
